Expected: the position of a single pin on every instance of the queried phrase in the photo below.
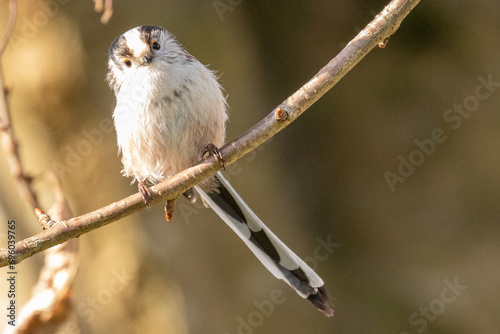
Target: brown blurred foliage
(323, 178)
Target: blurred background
(389, 186)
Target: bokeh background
(391, 255)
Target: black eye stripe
(126, 52)
(150, 33)
(119, 51)
(117, 44)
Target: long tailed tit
(170, 110)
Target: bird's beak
(147, 59)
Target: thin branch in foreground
(383, 26)
(50, 302)
(106, 7)
(8, 138)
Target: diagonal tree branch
(378, 31)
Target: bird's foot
(214, 150)
(146, 194)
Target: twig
(7, 134)
(105, 6)
(50, 302)
(383, 26)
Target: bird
(170, 112)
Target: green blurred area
(323, 179)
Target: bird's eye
(155, 45)
(127, 62)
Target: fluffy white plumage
(163, 118)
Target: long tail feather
(271, 251)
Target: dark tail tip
(322, 302)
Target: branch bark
(378, 31)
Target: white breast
(163, 122)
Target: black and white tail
(271, 251)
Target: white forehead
(134, 41)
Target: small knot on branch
(45, 221)
(384, 43)
(281, 114)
